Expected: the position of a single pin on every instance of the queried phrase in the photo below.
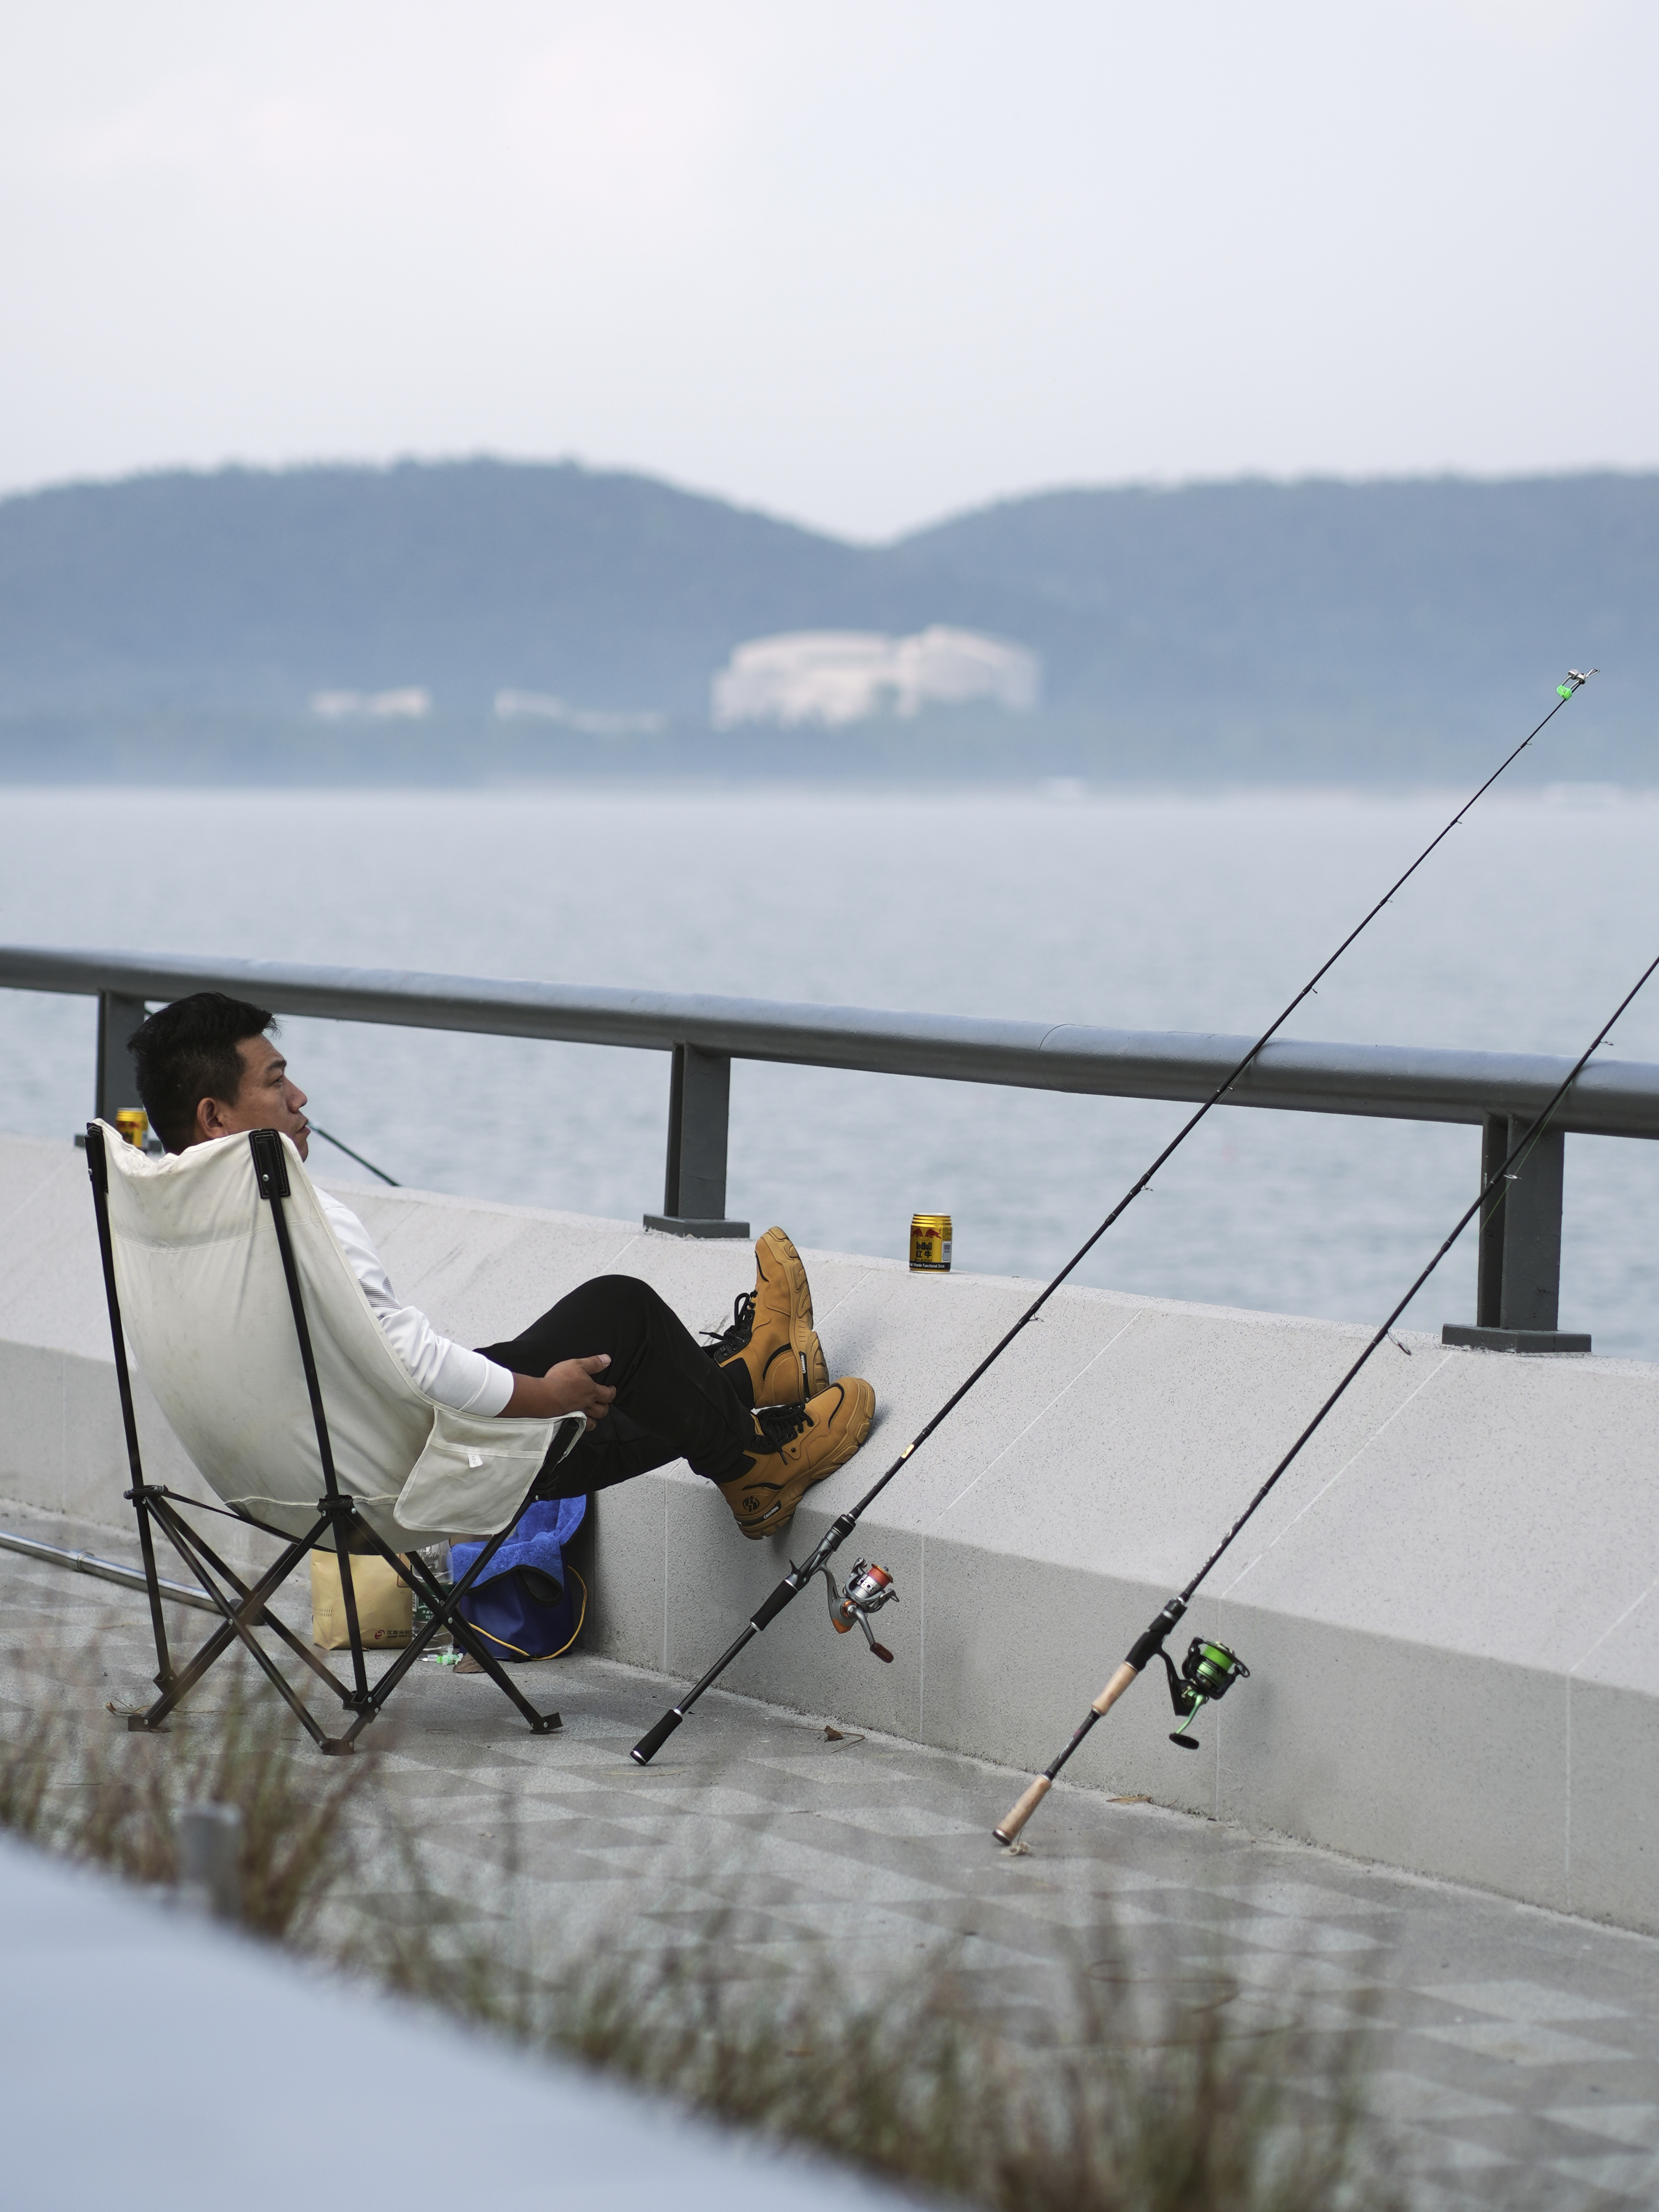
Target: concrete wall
(1450, 1607)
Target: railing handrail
(1394, 1082)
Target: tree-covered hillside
(177, 625)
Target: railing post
(1518, 1278)
(699, 1110)
(1489, 1274)
(117, 1085)
(1532, 1231)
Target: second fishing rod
(868, 1587)
(1210, 1669)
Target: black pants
(672, 1402)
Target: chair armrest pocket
(472, 1475)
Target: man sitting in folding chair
(756, 1412)
(429, 1439)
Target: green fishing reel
(1207, 1674)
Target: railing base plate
(1512, 1339)
(677, 1225)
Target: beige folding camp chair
(264, 1354)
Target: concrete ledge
(1450, 1608)
(306, 2087)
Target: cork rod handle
(1012, 1823)
(1114, 1689)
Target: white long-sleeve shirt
(448, 1372)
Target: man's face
(266, 1100)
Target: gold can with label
(134, 1124)
(930, 1243)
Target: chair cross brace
(245, 1608)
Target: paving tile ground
(1516, 2052)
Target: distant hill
(1262, 622)
(177, 625)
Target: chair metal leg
(361, 1698)
(140, 1500)
(140, 1494)
(244, 1608)
(339, 1513)
(236, 1619)
(267, 1666)
(296, 1645)
(445, 1614)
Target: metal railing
(1519, 1272)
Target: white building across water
(410, 702)
(833, 677)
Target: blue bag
(531, 1603)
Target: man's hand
(572, 1386)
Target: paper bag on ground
(385, 1603)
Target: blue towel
(528, 1605)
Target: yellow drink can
(930, 1243)
(134, 1124)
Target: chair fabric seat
(206, 1312)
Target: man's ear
(210, 1122)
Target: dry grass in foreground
(1134, 2102)
(1130, 2108)
(97, 1794)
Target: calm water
(1199, 912)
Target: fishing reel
(867, 1588)
(1208, 1672)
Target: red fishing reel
(867, 1588)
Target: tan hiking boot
(795, 1447)
(772, 1332)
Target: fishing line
(1210, 1670)
(351, 1155)
(818, 1561)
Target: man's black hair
(188, 1053)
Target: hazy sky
(862, 264)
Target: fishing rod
(1210, 1670)
(854, 1601)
